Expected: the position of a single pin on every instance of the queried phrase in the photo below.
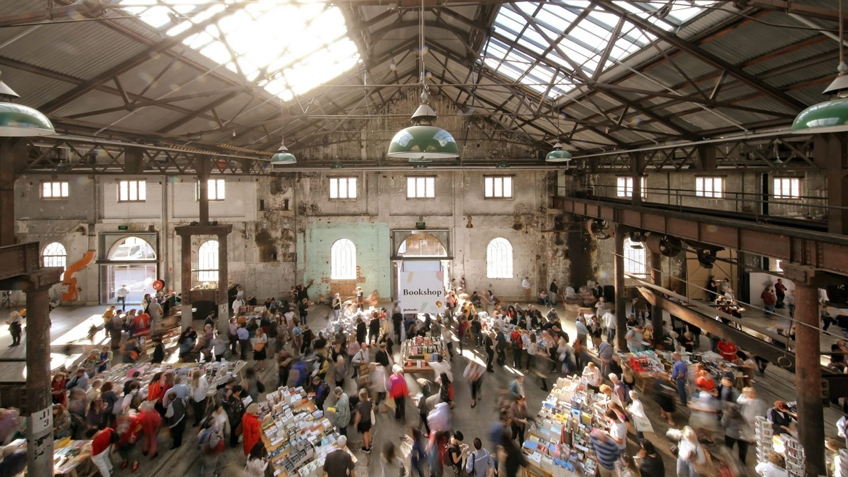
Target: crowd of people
(328, 362)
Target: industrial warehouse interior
(347, 238)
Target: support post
(39, 417)
(618, 271)
(7, 194)
(829, 151)
(636, 165)
(185, 280)
(223, 280)
(656, 310)
(202, 165)
(808, 378)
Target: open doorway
(132, 262)
(421, 246)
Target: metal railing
(808, 207)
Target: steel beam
(824, 251)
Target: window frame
(781, 179)
(629, 261)
(503, 179)
(347, 180)
(703, 192)
(416, 196)
(205, 274)
(64, 190)
(140, 189)
(643, 180)
(509, 272)
(64, 257)
(342, 242)
(210, 188)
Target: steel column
(7, 194)
(808, 378)
(656, 310)
(202, 166)
(618, 270)
(223, 284)
(39, 411)
(185, 279)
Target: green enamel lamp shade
(423, 142)
(828, 117)
(17, 120)
(283, 157)
(558, 154)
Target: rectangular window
(343, 187)
(132, 191)
(214, 190)
(54, 190)
(498, 187)
(712, 187)
(787, 188)
(420, 187)
(624, 187)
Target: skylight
(285, 48)
(554, 32)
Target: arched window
(343, 260)
(55, 255)
(499, 258)
(635, 259)
(207, 261)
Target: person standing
(780, 291)
(342, 410)
(250, 426)
(769, 301)
(527, 287)
(339, 463)
(479, 461)
(362, 420)
(606, 451)
(489, 344)
(121, 294)
(101, 444)
(679, 374)
(337, 306)
(197, 392)
(176, 416)
(210, 441)
(15, 329)
(554, 289)
(651, 462)
(244, 340)
(609, 322)
(474, 375)
(399, 391)
(149, 420)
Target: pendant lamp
(283, 157)
(830, 116)
(558, 154)
(17, 120)
(422, 142)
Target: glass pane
(777, 188)
(45, 189)
(142, 190)
(507, 187)
(498, 187)
(351, 187)
(431, 187)
(334, 188)
(220, 191)
(699, 186)
(796, 188)
(420, 186)
(122, 190)
(133, 187)
(488, 186)
(64, 189)
(410, 187)
(342, 189)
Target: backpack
(136, 401)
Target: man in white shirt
(527, 286)
(122, 293)
(609, 323)
(593, 377)
(441, 366)
(237, 304)
(617, 429)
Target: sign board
(421, 291)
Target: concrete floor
(71, 324)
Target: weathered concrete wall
(284, 225)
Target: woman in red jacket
(250, 426)
(399, 391)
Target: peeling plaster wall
(284, 225)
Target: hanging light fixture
(283, 157)
(558, 154)
(830, 116)
(422, 142)
(17, 120)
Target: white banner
(422, 292)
